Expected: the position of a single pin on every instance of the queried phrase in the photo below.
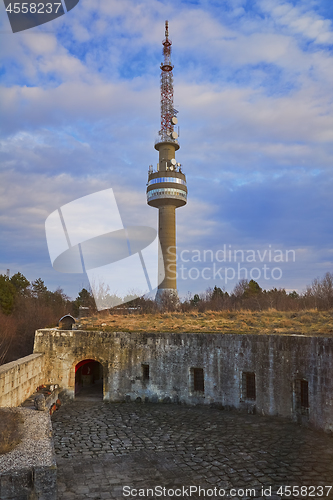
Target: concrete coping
(14, 364)
(262, 336)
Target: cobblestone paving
(102, 447)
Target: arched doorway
(89, 379)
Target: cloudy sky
(80, 111)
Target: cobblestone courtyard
(102, 447)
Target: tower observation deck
(166, 188)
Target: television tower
(167, 185)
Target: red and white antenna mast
(167, 110)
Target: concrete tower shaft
(166, 152)
(166, 188)
(167, 235)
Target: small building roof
(67, 317)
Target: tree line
(26, 307)
(246, 295)
(250, 296)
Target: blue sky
(253, 85)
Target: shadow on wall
(89, 378)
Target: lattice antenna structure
(168, 119)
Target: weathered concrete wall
(278, 362)
(19, 379)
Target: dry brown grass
(310, 322)
(11, 430)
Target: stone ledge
(17, 364)
(50, 393)
(30, 470)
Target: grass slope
(311, 322)
(11, 427)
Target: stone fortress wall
(290, 376)
(284, 375)
(19, 379)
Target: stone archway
(88, 379)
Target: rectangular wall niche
(302, 396)
(249, 386)
(197, 380)
(145, 372)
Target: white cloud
(299, 21)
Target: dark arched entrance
(89, 379)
